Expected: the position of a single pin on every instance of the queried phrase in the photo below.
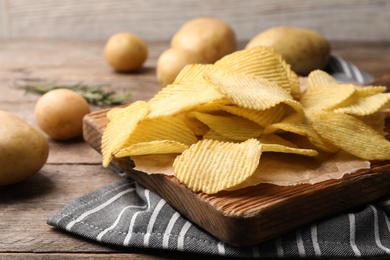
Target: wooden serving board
(249, 216)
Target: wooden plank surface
(363, 20)
(75, 168)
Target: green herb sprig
(94, 94)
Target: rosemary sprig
(94, 94)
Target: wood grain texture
(75, 168)
(365, 20)
(252, 215)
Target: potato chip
(111, 113)
(118, 130)
(181, 97)
(303, 128)
(230, 126)
(152, 147)
(361, 105)
(211, 166)
(196, 126)
(276, 139)
(262, 117)
(369, 90)
(319, 78)
(352, 136)
(193, 72)
(162, 128)
(155, 163)
(286, 149)
(211, 134)
(275, 143)
(326, 97)
(258, 61)
(252, 92)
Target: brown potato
(59, 113)
(172, 61)
(305, 50)
(125, 52)
(212, 38)
(23, 149)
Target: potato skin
(125, 52)
(23, 149)
(172, 61)
(305, 50)
(210, 37)
(59, 113)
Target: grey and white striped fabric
(126, 214)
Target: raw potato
(209, 37)
(59, 113)
(305, 50)
(172, 61)
(125, 52)
(23, 149)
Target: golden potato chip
(162, 128)
(275, 143)
(152, 147)
(295, 84)
(252, 92)
(230, 126)
(326, 97)
(276, 139)
(361, 104)
(353, 136)
(118, 130)
(211, 166)
(193, 72)
(319, 78)
(369, 90)
(196, 126)
(303, 128)
(155, 163)
(211, 134)
(286, 149)
(258, 61)
(111, 113)
(181, 97)
(262, 117)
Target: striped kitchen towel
(126, 214)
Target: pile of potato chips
(211, 127)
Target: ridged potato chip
(258, 61)
(275, 143)
(211, 166)
(361, 104)
(152, 147)
(303, 128)
(326, 97)
(251, 92)
(193, 72)
(319, 78)
(352, 136)
(155, 163)
(118, 130)
(211, 134)
(162, 128)
(181, 97)
(230, 126)
(196, 126)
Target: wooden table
(74, 168)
